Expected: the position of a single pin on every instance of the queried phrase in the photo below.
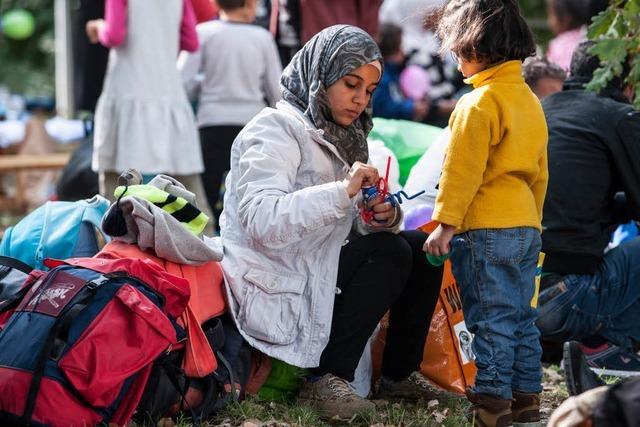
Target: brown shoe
(526, 410)
(333, 397)
(490, 411)
(412, 388)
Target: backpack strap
(15, 263)
(61, 327)
(234, 392)
(172, 375)
(15, 299)
(62, 337)
(38, 373)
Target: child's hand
(93, 29)
(438, 242)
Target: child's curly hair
(484, 30)
(536, 69)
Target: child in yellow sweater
(489, 205)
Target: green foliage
(616, 32)
(535, 12)
(533, 8)
(27, 66)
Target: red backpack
(79, 347)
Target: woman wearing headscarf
(307, 279)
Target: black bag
(77, 180)
(13, 274)
(170, 391)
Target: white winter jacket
(286, 216)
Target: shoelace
(340, 387)
(420, 381)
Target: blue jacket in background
(388, 100)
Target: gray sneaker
(414, 387)
(333, 397)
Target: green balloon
(18, 24)
(437, 261)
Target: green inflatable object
(408, 140)
(18, 24)
(437, 261)
(283, 382)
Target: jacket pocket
(272, 306)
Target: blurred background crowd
(419, 84)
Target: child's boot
(526, 410)
(490, 411)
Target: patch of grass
(244, 410)
(302, 415)
(450, 413)
(453, 413)
(270, 414)
(610, 380)
(553, 380)
(432, 414)
(555, 390)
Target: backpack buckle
(96, 283)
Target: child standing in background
(489, 205)
(568, 20)
(143, 118)
(233, 76)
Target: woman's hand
(93, 29)
(384, 213)
(438, 242)
(360, 175)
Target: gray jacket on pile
(286, 216)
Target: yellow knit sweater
(495, 171)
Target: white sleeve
(270, 210)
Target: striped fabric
(189, 215)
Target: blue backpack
(57, 230)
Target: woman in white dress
(143, 118)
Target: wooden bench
(17, 163)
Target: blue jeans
(606, 303)
(495, 269)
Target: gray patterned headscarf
(322, 61)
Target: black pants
(215, 142)
(378, 272)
